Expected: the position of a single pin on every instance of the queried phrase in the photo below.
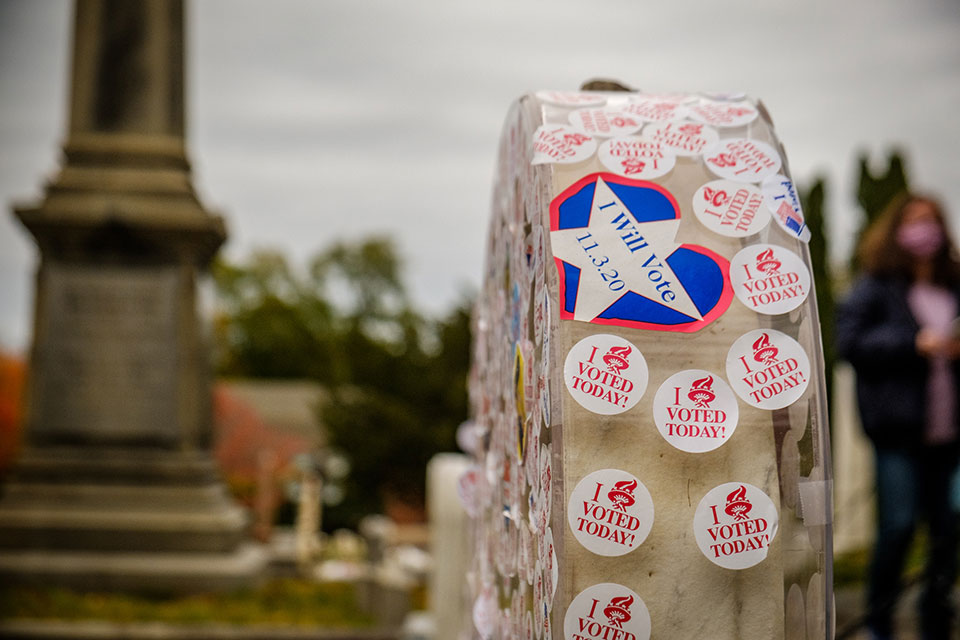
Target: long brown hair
(880, 255)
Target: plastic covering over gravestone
(647, 389)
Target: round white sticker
(561, 143)
(551, 571)
(724, 114)
(469, 489)
(695, 411)
(782, 200)
(682, 138)
(768, 369)
(734, 525)
(733, 209)
(605, 123)
(606, 611)
(605, 374)
(485, 611)
(636, 157)
(769, 279)
(742, 160)
(546, 479)
(571, 98)
(656, 108)
(610, 512)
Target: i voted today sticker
(561, 143)
(636, 157)
(607, 611)
(733, 209)
(769, 279)
(605, 123)
(695, 411)
(656, 108)
(743, 160)
(734, 525)
(682, 138)
(768, 369)
(610, 512)
(605, 374)
(724, 114)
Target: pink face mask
(921, 239)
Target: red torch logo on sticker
(622, 494)
(716, 197)
(738, 506)
(618, 611)
(701, 392)
(616, 359)
(767, 263)
(764, 351)
(633, 165)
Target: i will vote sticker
(610, 512)
(695, 411)
(769, 279)
(768, 369)
(605, 374)
(607, 611)
(734, 525)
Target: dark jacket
(876, 332)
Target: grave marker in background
(116, 487)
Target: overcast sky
(312, 121)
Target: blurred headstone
(116, 487)
(449, 544)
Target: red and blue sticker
(614, 246)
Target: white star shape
(637, 251)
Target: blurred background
(350, 148)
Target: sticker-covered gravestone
(644, 438)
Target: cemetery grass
(279, 603)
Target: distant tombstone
(118, 420)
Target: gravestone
(116, 486)
(652, 458)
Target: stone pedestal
(116, 487)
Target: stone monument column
(116, 470)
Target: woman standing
(899, 330)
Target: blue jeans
(914, 485)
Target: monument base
(99, 518)
(141, 572)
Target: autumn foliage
(12, 373)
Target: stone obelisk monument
(116, 487)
